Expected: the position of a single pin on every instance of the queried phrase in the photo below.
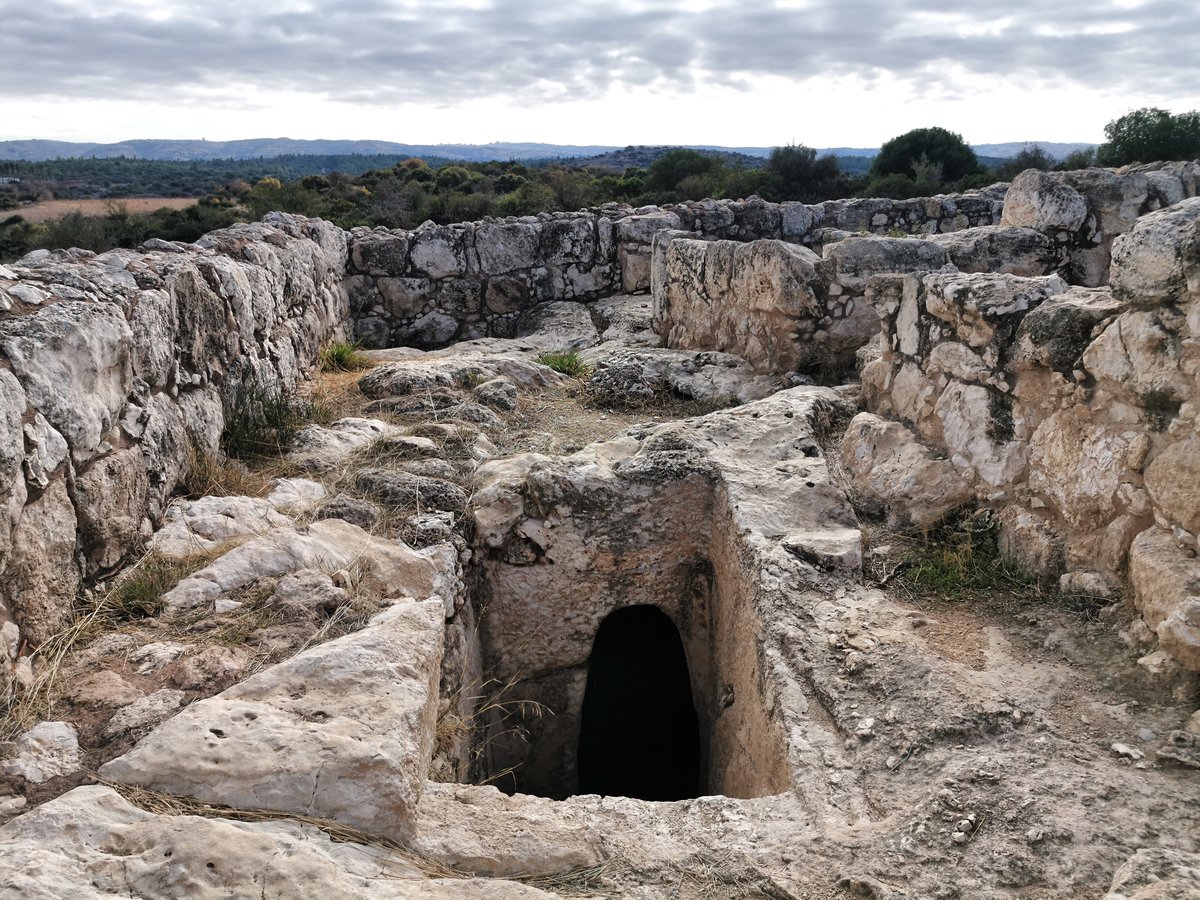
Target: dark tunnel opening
(639, 733)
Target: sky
(728, 72)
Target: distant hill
(1012, 148)
(259, 148)
(642, 157)
(191, 151)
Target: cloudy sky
(731, 72)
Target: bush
(260, 423)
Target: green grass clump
(962, 560)
(342, 357)
(261, 423)
(568, 362)
(138, 593)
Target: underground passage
(639, 733)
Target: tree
(1031, 157)
(797, 174)
(1150, 134)
(1083, 158)
(900, 155)
(672, 167)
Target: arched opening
(639, 734)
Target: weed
(961, 559)
(138, 593)
(261, 422)
(342, 357)
(568, 362)
(207, 476)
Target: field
(48, 210)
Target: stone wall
(441, 283)
(1085, 211)
(116, 369)
(1074, 412)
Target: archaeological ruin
(588, 570)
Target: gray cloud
(532, 51)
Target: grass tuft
(342, 357)
(568, 362)
(261, 423)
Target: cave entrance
(639, 733)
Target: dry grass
(207, 476)
(49, 210)
(136, 592)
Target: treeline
(352, 191)
(119, 177)
(116, 228)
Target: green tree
(1150, 134)
(797, 174)
(900, 155)
(1078, 159)
(672, 167)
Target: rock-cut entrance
(639, 733)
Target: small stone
(47, 750)
(145, 713)
(1127, 751)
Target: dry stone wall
(1072, 411)
(1087, 210)
(116, 369)
(440, 283)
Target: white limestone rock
(91, 844)
(343, 731)
(886, 463)
(329, 544)
(208, 523)
(47, 750)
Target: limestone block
(1138, 358)
(1043, 202)
(756, 300)
(1158, 260)
(91, 844)
(1173, 482)
(74, 362)
(42, 577)
(852, 261)
(886, 463)
(1006, 249)
(1081, 464)
(47, 750)
(380, 252)
(975, 305)
(1114, 199)
(558, 326)
(571, 239)
(641, 229)
(342, 731)
(206, 524)
(330, 544)
(110, 499)
(1166, 584)
(1157, 874)
(506, 247)
(1055, 333)
(440, 251)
